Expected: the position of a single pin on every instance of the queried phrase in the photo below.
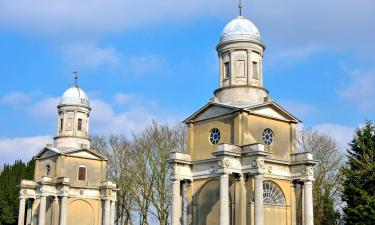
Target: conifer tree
(10, 178)
(359, 181)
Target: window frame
(78, 172)
(80, 124)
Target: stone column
(258, 200)
(63, 210)
(308, 203)
(107, 211)
(176, 202)
(42, 210)
(113, 212)
(29, 212)
(21, 211)
(224, 199)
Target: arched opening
(78, 208)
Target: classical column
(29, 205)
(258, 202)
(113, 212)
(176, 202)
(21, 211)
(63, 210)
(224, 199)
(308, 203)
(42, 210)
(107, 211)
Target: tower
(242, 166)
(70, 185)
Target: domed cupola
(73, 120)
(240, 52)
(240, 29)
(75, 96)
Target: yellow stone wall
(241, 129)
(79, 207)
(67, 166)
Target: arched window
(272, 194)
(82, 172)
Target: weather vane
(75, 73)
(240, 5)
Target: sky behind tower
(148, 59)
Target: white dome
(75, 96)
(240, 29)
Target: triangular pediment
(85, 153)
(47, 152)
(211, 110)
(272, 110)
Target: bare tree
(140, 169)
(328, 177)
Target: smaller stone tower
(70, 185)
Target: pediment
(211, 110)
(84, 153)
(273, 110)
(47, 152)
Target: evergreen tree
(359, 181)
(10, 178)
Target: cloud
(45, 108)
(291, 56)
(341, 133)
(15, 99)
(285, 23)
(125, 98)
(88, 55)
(297, 108)
(136, 112)
(23, 148)
(361, 89)
(99, 16)
(146, 64)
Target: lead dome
(75, 96)
(240, 29)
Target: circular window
(215, 136)
(268, 136)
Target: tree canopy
(359, 181)
(10, 178)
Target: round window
(268, 136)
(215, 136)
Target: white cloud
(104, 120)
(15, 98)
(286, 23)
(146, 63)
(88, 55)
(45, 108)
(341, 133)
(361, 89)
(290, 56)
(23, 148)
(297, 108)
(99, 15)
(125, 98)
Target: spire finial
(75, 73)
(240, 5)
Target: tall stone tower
(242, 166)
(70, 184)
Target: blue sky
(146, 59)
